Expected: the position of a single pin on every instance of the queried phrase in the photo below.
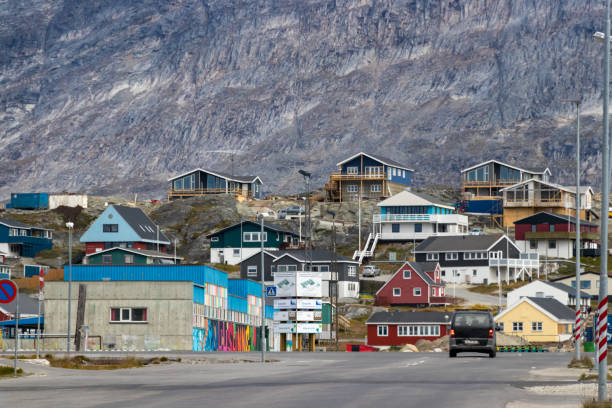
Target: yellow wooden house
(537, 320)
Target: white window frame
(517, 327)
(129, 320)
(130, 257)
(375, 188)
(536, 326)
(352, 170)
(351, 270)
(416, 292)
(236, 252)
(214, 239)
(409, 274)
(397, 292)
(433, 291)
(352, 188)
(382, 330)
(451, 256)
(433, 257)
(251, 270)
(402, 331)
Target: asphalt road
(303, 380)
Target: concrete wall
(169, 313)
(69, 200)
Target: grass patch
(84, 363)
(9, 371)
(227, 268)
(584, 362)
(591, 377)
(596, 404)
(493, 288)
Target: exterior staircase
(368, 249)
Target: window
(383, 330)
(406, 274)
(402, 330)
(416, 291)
(501, 326)
(533, 244)
(272, 270)
(533, 228)
(432, 257)
(539, 294)
(397, 292)
(23, 233)
(352, 270)
(552, 244)
(107, 259)
(254, 236)
(13, 232)
(236, 252)
(128, 314)
(418, 227)
(352, 188)
(403, 173)
(395, 228)
(214, 239)
(551, 227)
(128, 259)
(433, 291)
(584, 284)
(393, 171)
(443, 272)
(375, 188)
(252, 270)
(517, 326)
(110, 227)
(352, 170)
(474, 272)
(451, 256)
(536, 326)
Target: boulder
(409, 348)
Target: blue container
(237, 304)
(243, 288)
(31, 270)
(29, 201)
(483, 206)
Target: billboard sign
(308, 284)
(309, 328)
(282, 315)
(285, 284)
(285, 303)
(309, 304)
(284, 328)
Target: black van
(472, 331)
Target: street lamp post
(308, 226)
(70, 226)
(263, 295)
(334, 276)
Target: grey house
(321, 260)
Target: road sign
(8, 291)
(271, 291)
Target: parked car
(281, 215)
(476, 231)
(472, 331)
(370, 270)
(294, 210)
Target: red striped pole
(577, 328)
(602, 329)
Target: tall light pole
(578, 244)
(70, 226)
(263, 295)
(334, 276)
(307, 175)
(602, 322)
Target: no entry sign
(8, 291)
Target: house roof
(569, 189)
(140, 223)
(383, 160)
(459, 243)
(318, 255)
(410, 317)
(267, 225)
(410, 198)
(549, 306)
(240, 179)
(544, 216)
(19, 224)
(151, 254)
(421, 269)
(532, 170)
(568, 289)
(581, 274)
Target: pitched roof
(581, 273)
(550, 306)
(532, 170)
(410, 317)
(458, 243)
(152, 254)
(240, 179)
(409, 198)
(383, 160)
(267, 225)
(545, 215)
(140, 223)
(421, 268)
(570, 189)
(568, 289)
(318, 255)
(19, 224)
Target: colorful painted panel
(224, 336)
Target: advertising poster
(285, 303)
(285, 284)
(309, 327)
(308, 284)
(309, 304)
(284, 328)
(282, 315)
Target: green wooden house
(129, 256)
(237, 242)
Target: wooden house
(555, 290)
(130, 256)
(589, 282)
(198, 182)
(418, 284)
(399, 328)
(537, 320)
(124, 227)
(483, 182)
(21, 240)
(369, 176)
(554, 235)
(533, 196)
(231, 245)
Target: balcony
(487, 183)
(440, 300)
(586, 236)
(539, 202)
(172, 193)
(335, 176)
(526, 260)
(418, 218)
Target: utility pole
(334, 278)
(69, 225)
(263, 295)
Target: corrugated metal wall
(244, 287)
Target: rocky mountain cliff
(115, 96)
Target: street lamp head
(304, 173)
(599, 36)
(332, 213)
(69, 225)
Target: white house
(542, 289)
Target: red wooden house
(399, 328)
(413, 284)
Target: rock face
(115, 96)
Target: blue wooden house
(18, 239)
(124, 227)
(198, 182)
(369, 176)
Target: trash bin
(589, 346)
